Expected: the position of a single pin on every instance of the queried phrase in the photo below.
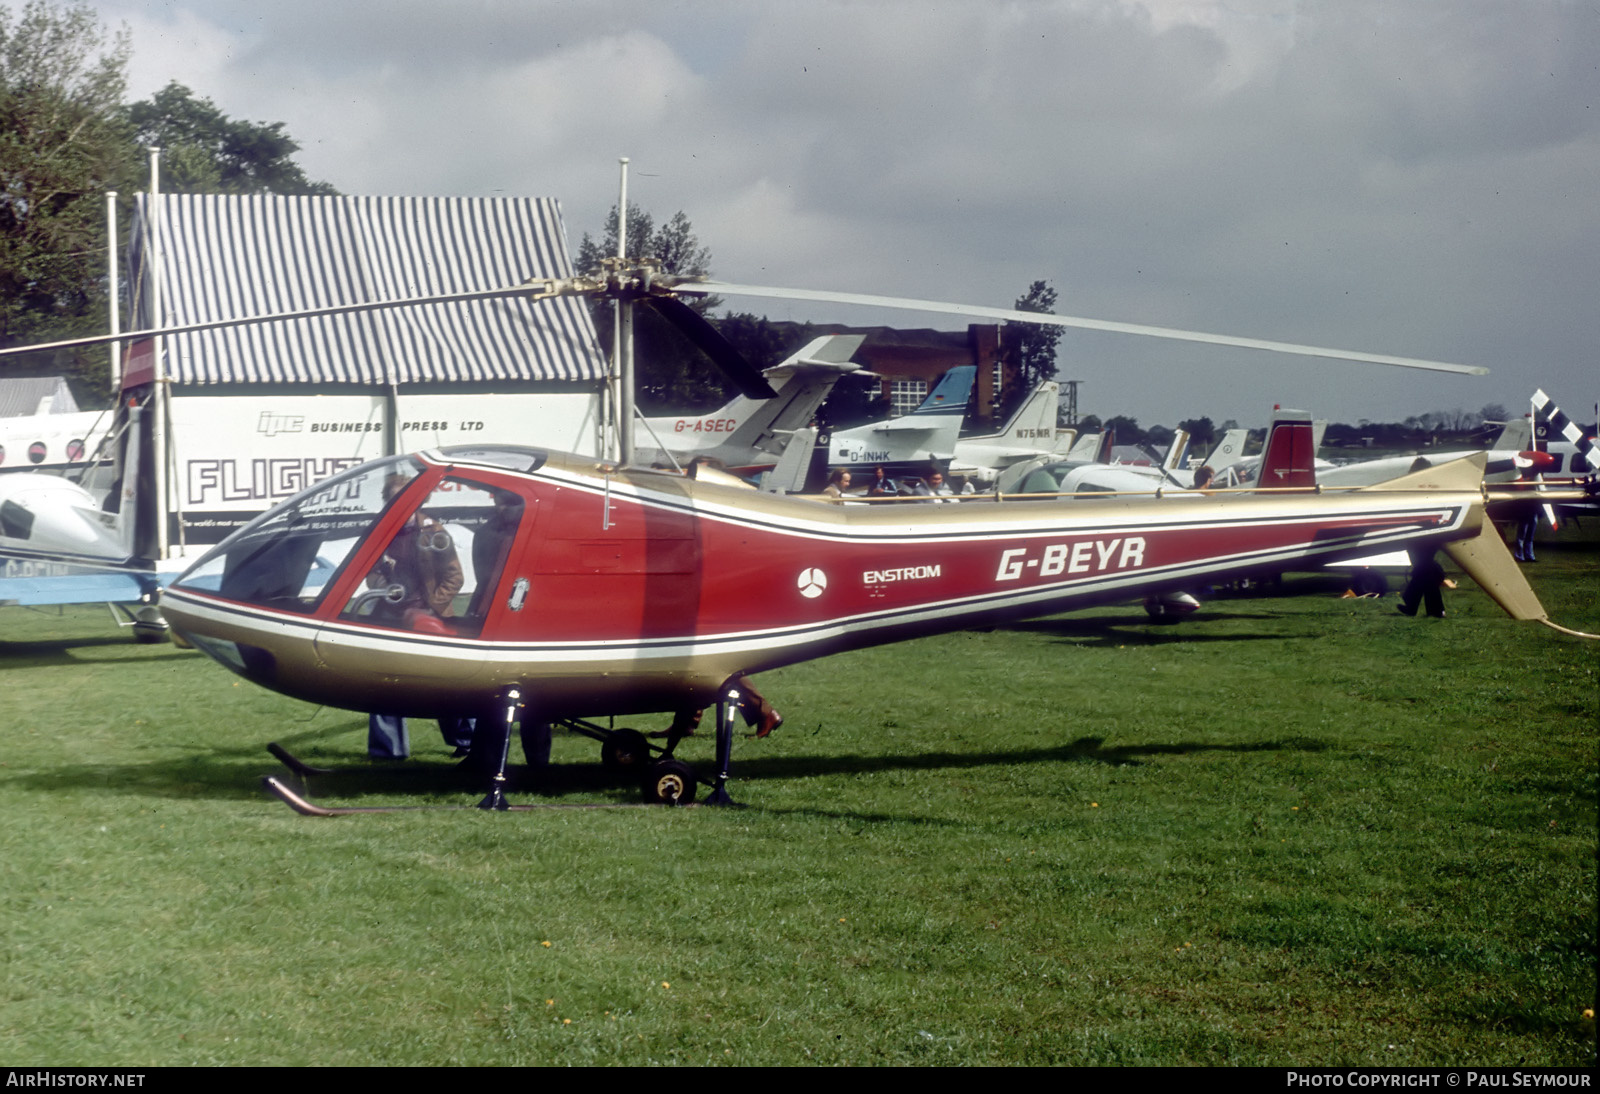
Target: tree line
(67, 137)
(1457, 427)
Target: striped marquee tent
(229, 256)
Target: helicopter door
(435, 580)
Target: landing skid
(664, 782)
(665, 779)
(308, 808)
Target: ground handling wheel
(626, 749)
(670, 782)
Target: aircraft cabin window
(15, 521)
(438, 573)
(1040, 482)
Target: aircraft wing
(78, 588)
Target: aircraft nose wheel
(670, 782)
(625, 748)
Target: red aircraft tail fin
(1289, 456)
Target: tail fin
(1085, 448)
(1487, 561)
(1515, 436)
(789, 476)
(1035, 420)
(1483, 556)
(1176, 451)
(927, 433)
(950, 394)
(1289, 456)
(1228, 451)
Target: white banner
(237, 456)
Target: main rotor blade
(745, 376)
(723, 288)
(539, 288)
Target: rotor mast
(622, 340)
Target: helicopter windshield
(285, 558)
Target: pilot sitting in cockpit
(421, 570)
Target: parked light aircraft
(1031, 432)
(1085, 470)
(748, 436)
(1508, 458)
(51, 442)
(63, 543)
(912, 441)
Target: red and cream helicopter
(523, 585)
(535, 586)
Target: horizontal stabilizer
(905, 426)
(832, 349)
(1463, 474)
(831, 352)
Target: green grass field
(1286, 831)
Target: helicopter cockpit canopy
(445, 544)
(284, 558)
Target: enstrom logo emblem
(812, 582)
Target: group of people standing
(930, 486)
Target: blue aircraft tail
(951, 392)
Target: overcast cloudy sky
(1400, 176)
